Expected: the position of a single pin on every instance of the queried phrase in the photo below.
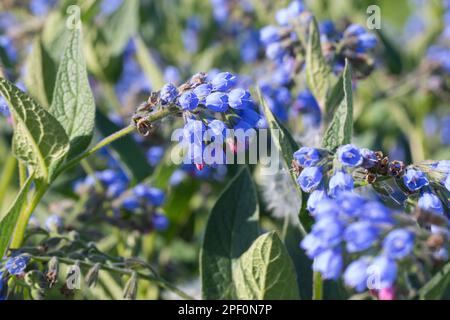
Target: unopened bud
(52, 273)
(92, 275)
(130, 290)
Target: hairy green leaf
(40, 75)
(438, 286)
(265, 271)
(317, 70)
(230, 231)
(73, 104)
(9, 221)
(340, 129)
(39, 139)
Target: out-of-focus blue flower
(168, 93)
(3, 286)
(275, 51)
(355, 276)
(177, 177)
(155, 196)
(360, 236)
(377, 213)
(239, 99)
(221, 10)
(217, 101)
(54, 223)
(316, 197)
(329, 263)
(188, 100)
(340, 182)
(223, 81)
(269, 34)
(415, 179)
(160, 222)
(349, 155)
(351, 204)
(7, 44)
(4, 109)
(154, 155)
(131, 203)
(17, 265)
(430, 201)
(398, 243)
(439, 56)
(447, 183)
(310, 178)
(384, 272)
(364, 40)
(307, 157)
(445, 129)
(109, 6)
(41, 7)
(172, 75)
(249, 46)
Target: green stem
(19, 233)
(7, 175)
(317, 286)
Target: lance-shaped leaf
(40, 75)
(340, 129)
(266, 272)
(231, 229)
(439, 286)
(73, 104)
(317, 70)
(286, 146)
(9, 221)
(39, 139)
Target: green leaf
(266, 272)
(438, 286)
(39, 140)
(121, 26)
(340, 129)
(73, 104)
(334, 98)
(129, 153)
(317, 70)
(286, 146)
(148, 63)
(9, 221)
(230, 231)
(40, 75)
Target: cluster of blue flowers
(363, 236)
(13, 266)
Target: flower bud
(92, 275)
(130, 290)
(52, 273)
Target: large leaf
(40, 75)
(130, 154)
(9, 221)
(39, 139)
(231, 229)
(121, 26)
(317, 70)
(286, 146)
(266, 272)
(73, 104)
(438, 286)
(340, 129)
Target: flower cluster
(363, 236)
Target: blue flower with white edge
(314, 199)
(168, 93)
(329, 263)
(223, 81)
(398, 243)
(217, 102)
(431, 202)
(269, 34)
(355, 276)
(340, 182)
(307, 157)
(360, 236)
(202, 91)
(310, 178)
(383, 272)
(188, 100)
(239, 99)
(415, 179)
(160, 222)
(349, 155)
(17, 265)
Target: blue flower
(326, 209)
(160, 222)
(384, 271)
(370, 159)
(154, 155)
(360, 236)
(430, 201)
(350, 204)
(17, 265)
(366, 42)
(239, 99)
(282, 17)
(312, 245)
(168, 93)
(355, 276)
(188, 101)
(223, 81)
(329, 263)
(415, 179)
(349, 155)
(171, 74)
(340, 182)
(354, 30)
(250, 116)
(202, 91)
(447, 183)
(314, 199)
(7, 44)
(398, 243)
(109, 6)
(217, 101)
(269, 34)
(307, 157)
(54, 223)
(329, 230)
(3, 287)
(275, 51)
(131, 203)
(310, 178)
(377, 213)
(154, 195)
(41, 7)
